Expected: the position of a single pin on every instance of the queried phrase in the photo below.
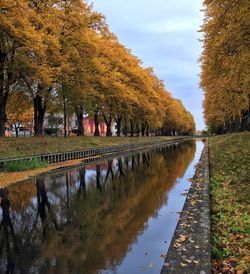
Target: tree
(78, 42)
(19, 111)
(61, 54)
(225, 65)
(19, 41)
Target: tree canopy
(225, 76)
(60, 54)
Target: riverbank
(189, 251)
(7, 178)
(18, 147)
(230, 203)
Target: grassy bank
(18, 166)
(15, 147)
(230, 202)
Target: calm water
(116, 216)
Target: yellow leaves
(19, 109)
(183, 238)
(65, 43)
(188, 261)
(224, 64)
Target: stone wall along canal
(114, 216)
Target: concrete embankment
(189, 251)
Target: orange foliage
(62, 52)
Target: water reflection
(86, 219)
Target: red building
(89, 127)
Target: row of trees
(60, 56)
(225, 75)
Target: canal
(114, 216)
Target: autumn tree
(61, 55)
(116, 97)
(77, 39)
(225, 65)
(19, 111)
(20, 43)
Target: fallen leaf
(151, 264)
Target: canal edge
(95, 155)
(90, 152)
(190, 248)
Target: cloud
(172, 25)
(164, 35)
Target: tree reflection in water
(8, 241)
(82, 184)
(88, 217)
(43, 206)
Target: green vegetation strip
(23, 165)
(230, 203)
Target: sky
(164, 35)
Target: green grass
(230, 200)
(17, 166)
(15, 147)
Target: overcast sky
(163, 34)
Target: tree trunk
(108, 123)
(237, 124)
(6, 78)
(64, 117)
(69, 124)
(125, 128)
(137, 130)
(39, 113)
(132, 128)
(16, 130)
(147, 130)
(143, 128)
(119, 126)
(97, 132)
(3, 115)
(80, 129)
(162, 131)
(245, 123)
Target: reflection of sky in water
(144, 255)
(128, 218)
